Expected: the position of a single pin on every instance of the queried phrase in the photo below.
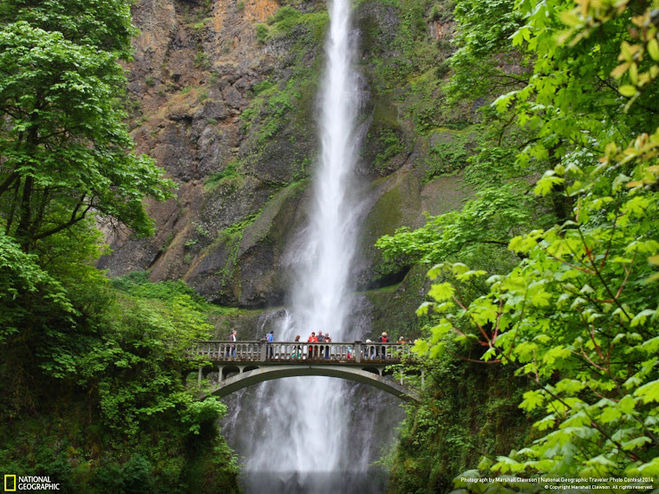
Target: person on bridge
(297, 349)
(270, 338)
(232, 339)
(321, 339)
(383, 339)
(370, 351)
(327, 347)
(312, 339)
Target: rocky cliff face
(223, 98)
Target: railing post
(264, 350)
(358, 351)
(199, 377)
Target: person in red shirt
(313, 350)
(383, 350)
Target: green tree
(22, 278)
(65, 152)
(485, 62)
(102, 24)
(89, 372)
(578, 315)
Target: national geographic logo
(14, 483)
(10, 483)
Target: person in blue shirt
(269, 338)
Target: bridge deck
(341, 353)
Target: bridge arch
(369, 376)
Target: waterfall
(322, 291)
(296, 439)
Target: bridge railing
(290, 351)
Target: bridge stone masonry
(244, 363)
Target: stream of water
(300, 434)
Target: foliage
(278, 118)
(91, 374)
(137, 284)
(578, 314)
(469, 410)
(483, 42)
(26, 290)
(274, 104)
(310, 25)
(262, 32)
(230, 173)
(65, 149)
(449, 155)
(489, 220)
(104, 25)
(118, 363)
(390, 145)
(405, 47)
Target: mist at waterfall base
(320, 435)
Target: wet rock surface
(230, 116)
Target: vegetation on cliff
(91, 374)
(573, 309)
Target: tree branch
(66, 225)
(8, 182)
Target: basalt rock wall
(223, 98)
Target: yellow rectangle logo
(10, 483)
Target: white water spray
(322, 294)
(305, 446)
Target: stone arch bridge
(244, 363)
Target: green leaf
(627, 90)
(569, 386)
(651, 346)
(555, 353)
(420, 346)
(547, 183)
(436, 271)
(650, 469)
(635, 443)
(637, 205)
(532, 400)
(441, 291)
(601, 460)
(648, 392)
(423, 308)
(653, 49)
(545, 423)
(440, 330)
(640, 318)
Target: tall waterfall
(297, 434)
(321, 295)
(322, 292)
